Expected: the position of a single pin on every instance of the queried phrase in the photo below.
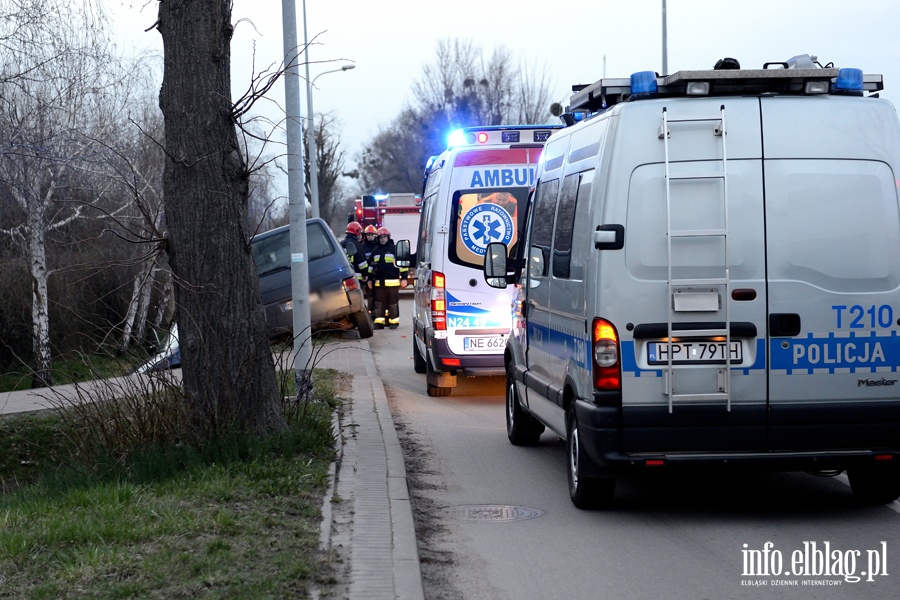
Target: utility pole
(296, 203)
(665, 42)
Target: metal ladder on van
(680, 285)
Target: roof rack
(607, 92)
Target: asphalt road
(495, 521)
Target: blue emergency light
(849, 81)
(643, 83)
(456, 138)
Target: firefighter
(386, 279)
(369, 244)
(353, 247)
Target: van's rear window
(481, 216)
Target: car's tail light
(438, 302)
(350, 284)
(607, 367)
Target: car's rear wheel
(521, 428)
(418, 359)
(363, 322)
(586, 492)
(876, 484)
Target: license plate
(483, 344)
(694, 352)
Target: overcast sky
(390, 41)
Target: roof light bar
(803, 77)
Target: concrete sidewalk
(370, 473)
(378, 533)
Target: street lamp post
(296, 203)
(311, 137)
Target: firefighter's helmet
(370, 229)
(384, 231)
(354, 228)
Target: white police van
(710, 276)
(474, 194)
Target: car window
(318, 242)
(272, 253)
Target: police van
(474, 194)
(709, 276)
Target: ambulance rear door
(488, 191)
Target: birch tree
(61, 89)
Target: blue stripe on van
(864, 353)
(563, 345)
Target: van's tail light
(350, 284)
(438, 302)
(607, 367)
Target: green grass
(236, 520)
(70, 369)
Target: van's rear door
(832, 248)
(639, 301)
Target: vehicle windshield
(273, 253)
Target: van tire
(438, 392)
(418, 360)
(587, 493)
(521, 428)
(875, 485)
(363, 322)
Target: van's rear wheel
(876, 484)
(363, 322)
(435, 390)
(521, 428)
(586, 492)
(418, 359)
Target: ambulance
(473, 194)
(709, 277)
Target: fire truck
(374, 209)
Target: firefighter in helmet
(369, 244)
(353, 247)
(386, 279)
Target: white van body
(472, 196)
(714, 281)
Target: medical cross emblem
(485, 223)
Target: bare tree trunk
(141, 282)
(227, 366)
(166, 307)
(40, 305)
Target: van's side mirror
(402, 254)
(350, 248)
(495, 265)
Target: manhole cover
(496, 512)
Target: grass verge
(238, 521)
